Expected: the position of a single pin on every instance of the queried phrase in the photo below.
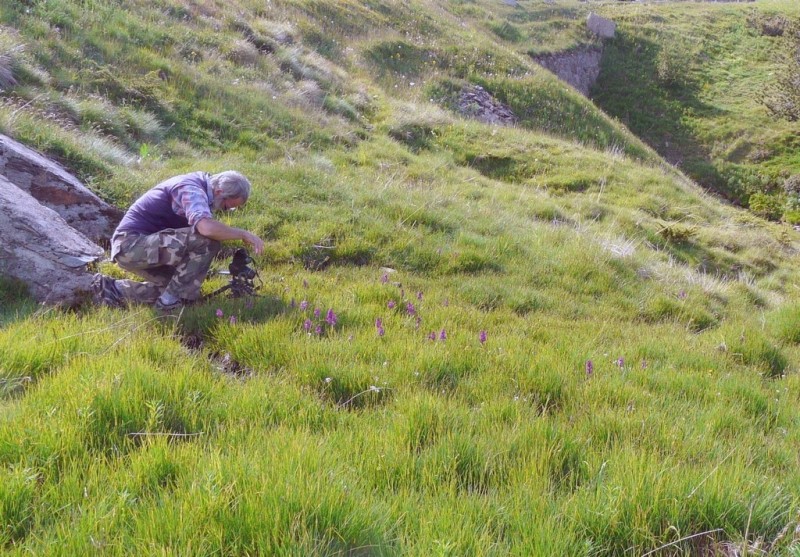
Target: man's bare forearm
(216, 230)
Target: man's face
(227, 204)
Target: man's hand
(255, 242)
(216, 230)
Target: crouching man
(169, 237)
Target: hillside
(699, 91)
(540, 339)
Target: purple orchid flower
(331, 318)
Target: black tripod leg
(216, 292)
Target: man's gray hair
(232, 185)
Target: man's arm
(216, 230)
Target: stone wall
(579, 67)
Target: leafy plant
(766, 206)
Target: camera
(242, 277)
(240, 266)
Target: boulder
(42, 250)
(55, 188)
(600, 26)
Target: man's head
(231, 190)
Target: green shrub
(792, 217)
(743, 180)
(766, 206)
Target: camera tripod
(243, 277)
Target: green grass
(691, 80)
(638, 382)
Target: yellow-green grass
(599, 357)
(399, 443)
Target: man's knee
(197, 243)
(214, 246)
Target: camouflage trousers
(172, 260)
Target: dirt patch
(221, 361)
(226, 364)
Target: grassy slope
(692, 88)
(566, 247)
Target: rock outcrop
(475, 102)
(55, 188)
(579, 68)
(42, 250)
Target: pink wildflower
(331, 318)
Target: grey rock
(55, 188)
(600, 26)
(42, 250)
(475, 102)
